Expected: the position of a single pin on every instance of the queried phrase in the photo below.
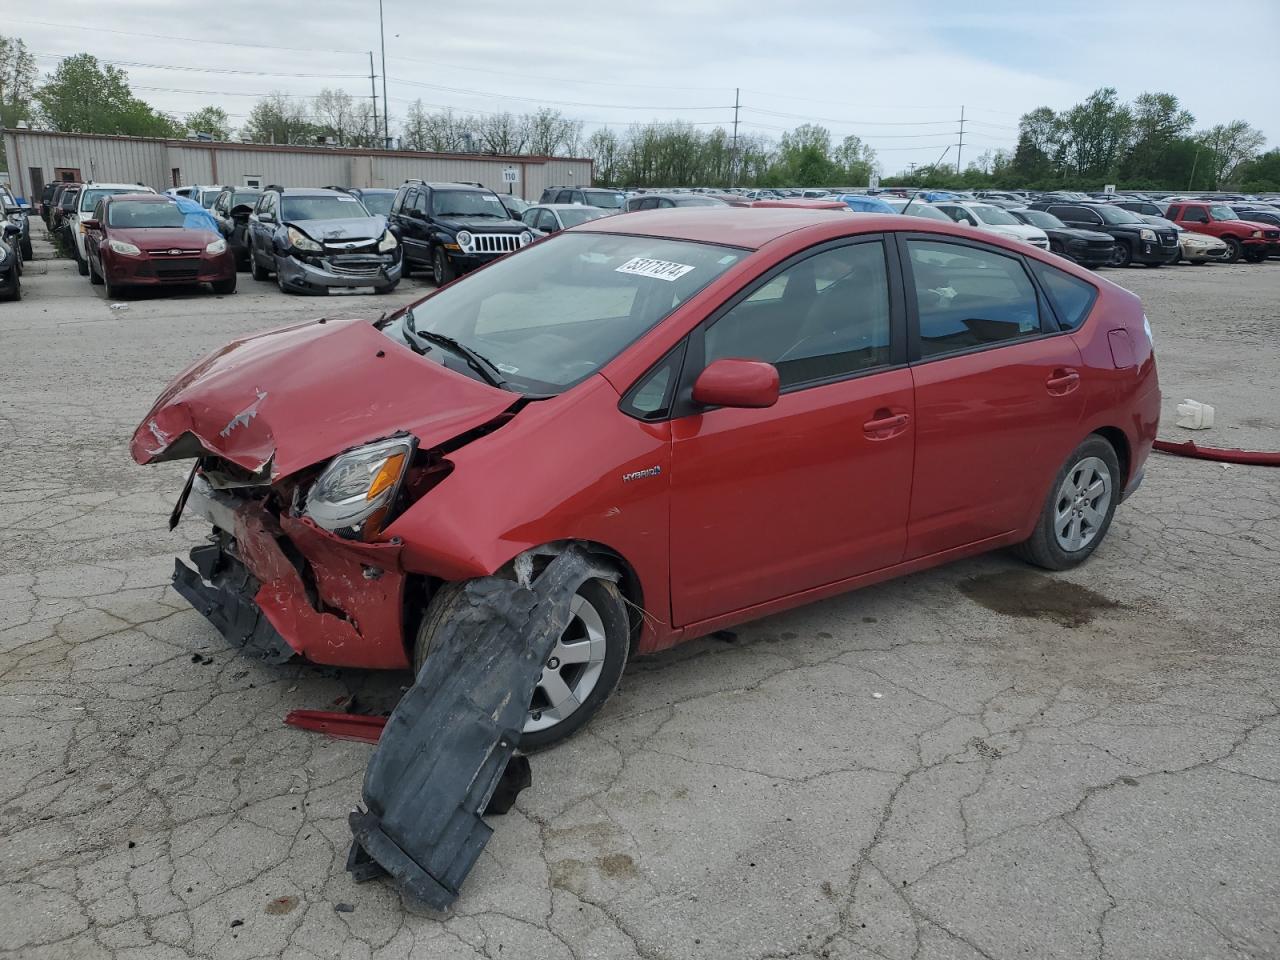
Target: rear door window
(968, 298)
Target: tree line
(1148, 143)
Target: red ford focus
(737, 411)
(135, 240)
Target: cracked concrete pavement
(981, 761)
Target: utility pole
(958, 149)
(382, 33)
(373, 88)
(1192, 179)
(733, 154)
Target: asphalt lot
(978, 761)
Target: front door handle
(885, 424)
(1063, 380)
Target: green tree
(83, 96)
(1262, 174)
(1095, 134)
(17, 85)
(1158, 121)
(856, 159)
(804, 158)
(1039, 149)
(1227, 146)
(211, 120)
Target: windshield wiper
(476, 361)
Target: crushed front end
(273, 581)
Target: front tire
(582, 672)
(82, 265)
(1078, 511)
(1122, 255)
(27, 253)
(94, 276)
(255, 269)
(1234, 249)
(442, 270)
(223, 287)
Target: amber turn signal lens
(387, 475)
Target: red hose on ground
(1254, 458)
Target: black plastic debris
(226, 601)
(448, 747)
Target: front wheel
(1079, 509)
(1234, 249)
(1122, 255)
(580, 674)
(442, 270)
(94, 276)
(82, 265)
(1255, 256)
(223, 287)
(255, 268)
(27, 252)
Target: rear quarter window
(1071, 297)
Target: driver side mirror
(737, 383)
(91, 224)
(12, 230)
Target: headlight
(1148, 235)
(388, 242)
(354, 494)
(127, 249)
(464, 239)
(1256, 233)
(526, 238)
(216, 247)
(300, 241)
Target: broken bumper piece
(226, 601)
(446, 748)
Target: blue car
(860, 203)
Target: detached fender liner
(447, 745)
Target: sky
(895, 74)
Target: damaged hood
(356, 228)
(284, 400)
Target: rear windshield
(993, 215)
(608, 199)
(245, 198)
(331, 207)
(379, 204)
(556, 312)
(130, 214)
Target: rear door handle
(1064, 380)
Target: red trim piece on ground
(339, 726)
(1254, 458)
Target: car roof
(565, 206)
(309, 192)
(747, 227)
(117, 186)
(146, 197)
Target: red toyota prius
(736, 411)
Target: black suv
(601, 197)
(1136, 240)
(452, 228)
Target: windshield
(1042, 219)
(208, 196)
(1221, 211)
(516, 205)
(1111, 214)
(571, 218)
(134, 214)
(323, 207)
(558, 311)
(89, 198)
(379, 204)
(994, 215)
(607, 199)
(467, 203)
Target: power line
(219, 70)
(567, 103)
(453, 65)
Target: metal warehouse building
(36, 157)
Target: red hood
(164, 238)
(290, 398)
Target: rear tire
(1077, 513)
(603, 605)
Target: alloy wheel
(572, 670)
(1082, 503)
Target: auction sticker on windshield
(658, 269)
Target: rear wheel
(1078, 512)
(1234, 249)
(581, 672)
